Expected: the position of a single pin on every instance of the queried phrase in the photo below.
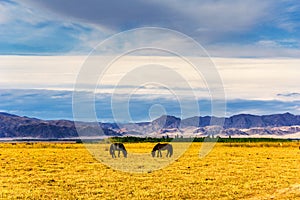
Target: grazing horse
(161, 147)
(117, 147)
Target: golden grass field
(69, 171)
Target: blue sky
(254, 44)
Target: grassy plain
(69, 171)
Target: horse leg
(113, 155)
(119, 154)
(160, 154)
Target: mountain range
(13, 126)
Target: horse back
(117, 146)
(160, 146)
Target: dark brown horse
(161, 147)
(117, 147)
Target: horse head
(153, 153)
(125, 153)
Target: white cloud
(28, 30)
(39, 71)
(13, 12)
(267, 43)
(288, 16)
(260, 79)
(260, 49)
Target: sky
(253, 45)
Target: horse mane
(121, 146)
(156, 147)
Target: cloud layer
(53, 104)
(252, 79)
(243, 28)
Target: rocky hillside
(13, 126)
(243, 121)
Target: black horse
(161, 147)
(117, 147)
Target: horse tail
(170, 150)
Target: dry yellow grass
(69, 171)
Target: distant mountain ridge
(13, 126)
(247, 120)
